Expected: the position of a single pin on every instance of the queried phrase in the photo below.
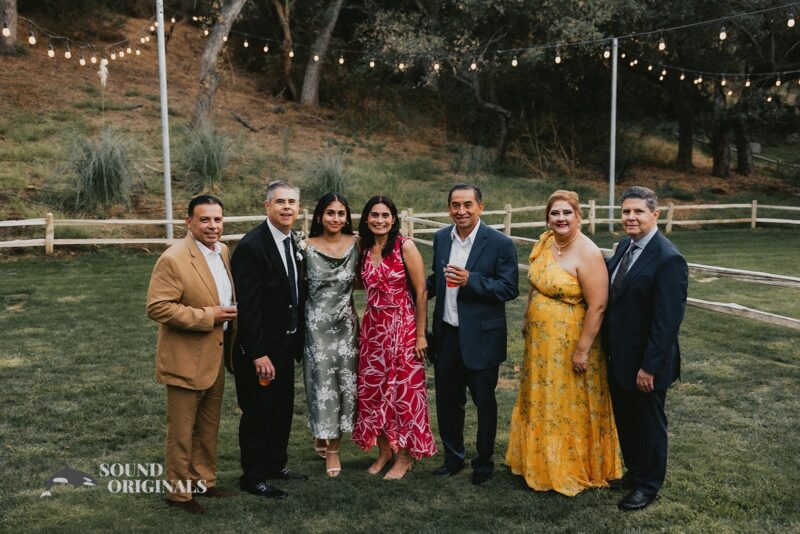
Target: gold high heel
(333, 472)
(390, 476)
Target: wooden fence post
(670, 215)
(49, 234)
(753, 215)
(410, 225)
(404, 222)
(592, 216)
(507, 220)
(306, 224)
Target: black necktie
(292, 283)
(623, 268)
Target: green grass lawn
(77, 359)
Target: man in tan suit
(191, 296)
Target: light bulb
(607, 53)
(769, 98)
(316, 57)
(699, 79)
(663, 72)
(138, 52)
(473, 66)
(172, 20)
(67, 53)
(141, 40)
(623, 55)
(635, 61)
(266, 48)
(205, 32)
(121, 53)
(514, 61)
(93, 59)
(631, 64)
(128, 50)
(723, 34)
(778, 82)
(341, 60)
(113, 56)
(155, 24)
(683, 76)
(152, 28)
(730, 92)
(372, 63)
(50, 51)
(558, 58)
(246, 44)
(661, 78)
(436, 66)
(6, 29)
(723, 82)
(194, 18)
(662, 45)
(649, 67)
(747, 83)
(147, 38)
(82, 61)
(790, 22)
(291, 53)
(401, 66)
(224, 38)
(31, 38)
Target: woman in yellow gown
(563, 435)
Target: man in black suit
(475, 272)
(647, 300)
(266, 272)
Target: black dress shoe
(262, 489)
(445, 471)
(190, 507)
(625, 483)
(636, 500)
(480, 479)
(287, 474)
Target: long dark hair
(326, 200)
(368, 238)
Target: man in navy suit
(647, 300)
(475, 272)
(266, 271)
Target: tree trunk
(720, 137)
(685, 111)
(504, 116)
(310, 93)
(744, 156)
(209, 75)
(8, 9)
(284, 15)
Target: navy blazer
(493, 281)
(264, 298)
(643, 317)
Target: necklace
(565, 245)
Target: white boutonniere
(301, 244)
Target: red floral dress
(392, 399)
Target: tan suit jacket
(181, 297)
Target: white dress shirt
(459, 253)
(279, 238)
(637, 251)
(220, 274)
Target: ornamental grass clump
(326, 174)
(103, 168)
(205, 153)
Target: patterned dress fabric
(331, 352)
(563, 435)
(392, 399)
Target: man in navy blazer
(647, 300)
(475, 272)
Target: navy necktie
(624, 264)
(292, 283)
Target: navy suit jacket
(493, 281)
(264, 298)
(641, 323)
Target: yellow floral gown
(563, 435)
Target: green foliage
(286, 134)
(472, 160)
(102, 170)
(327, 173)
(205, 154)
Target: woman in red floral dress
(392, 400)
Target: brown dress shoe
(217, 493)
(190, 507)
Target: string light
(316, 57)
(246, 44)
(50, 51)
(31, 37)
(291, 52)
(341, 60)
(93, 59)
(473, 65)
(723, 34)
(82, 61)
(371, 63)
(121, 53)
(623, 55)
(514, 61)
(401, 66)
(266, 48)
(699, 79)
(747, 83)
(790, 22)
(224, 38)
(205, 32)
(769, 98)
(172, 20)
(558, 57)
(67, 52)
(778, 82)
(662, 45)
(6, 29)
(649, 67)
(661, 78)
(723, 82)
(138, 52)
(683, 76)
(631, 64)
(436, 66)
(113, 55)
(607, 53)
(147, 38)
(152, 28)
(104, 61)
(128, 50)
(730, 92)
(141, 39)
(155, 25)
(663, 72)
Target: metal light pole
(162, 77)
(612, 150)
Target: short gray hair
(280, 184)
(637, 191)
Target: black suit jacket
(493, 281)
(262, 290)
(640, 327)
